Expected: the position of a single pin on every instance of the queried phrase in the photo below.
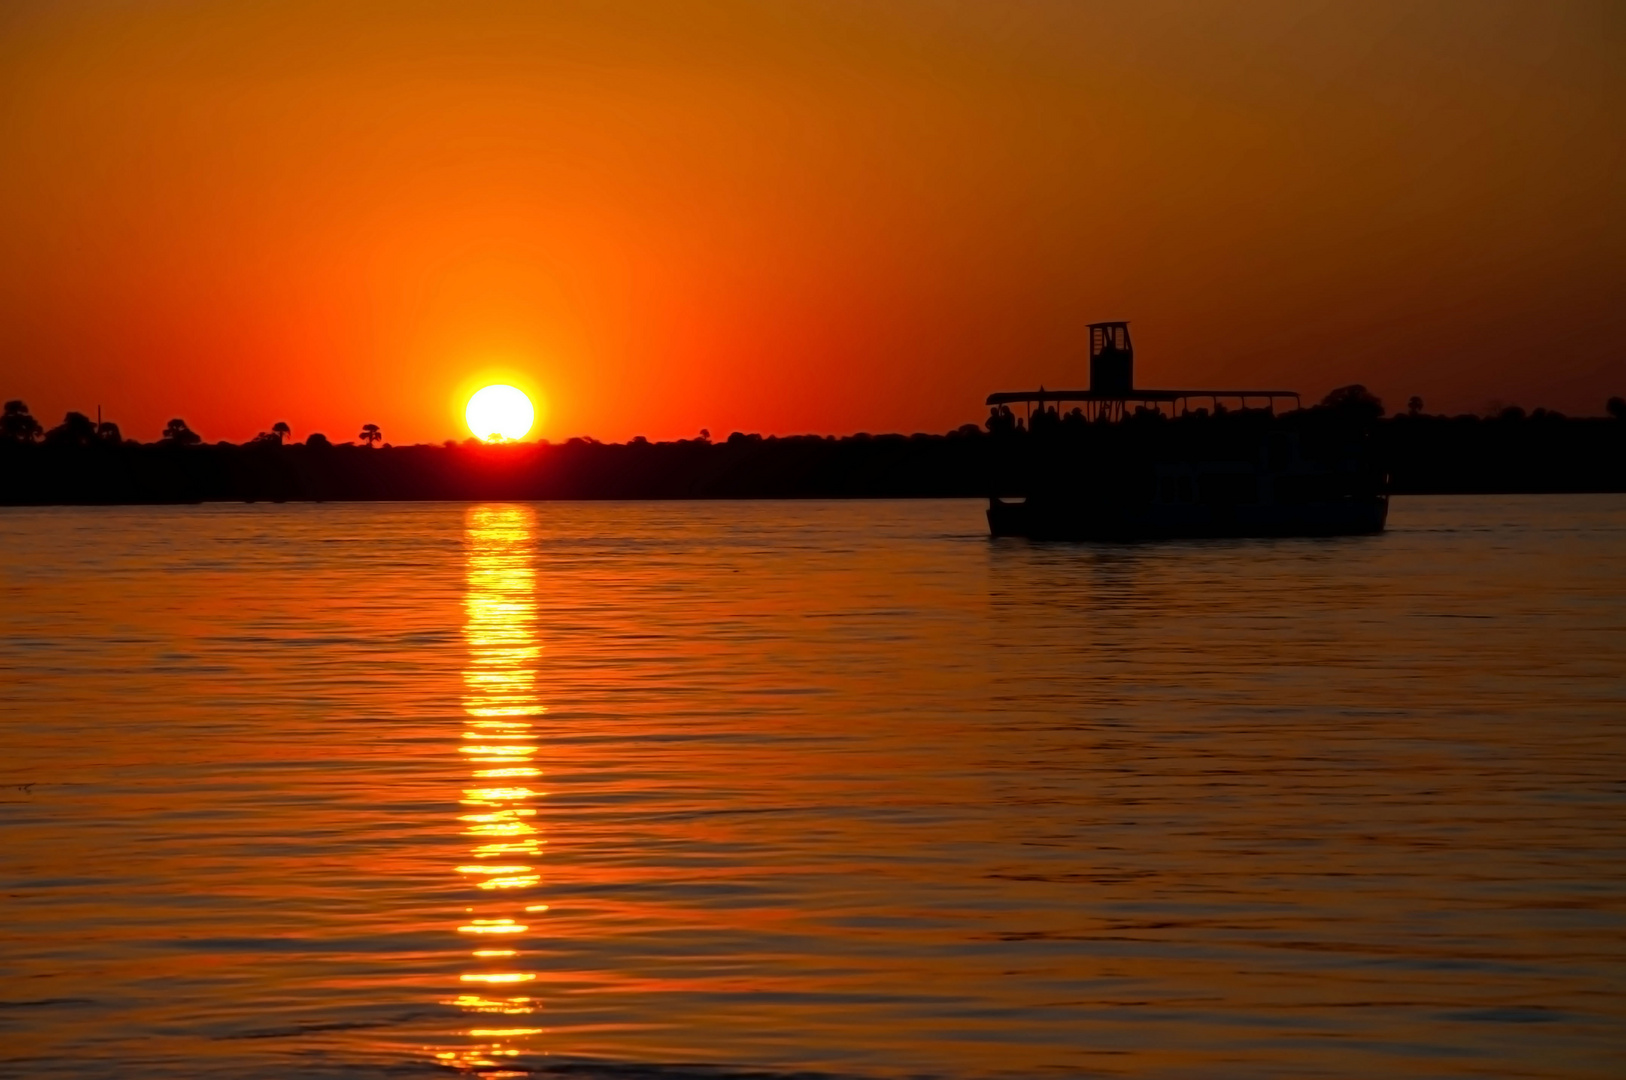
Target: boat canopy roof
(1042, 395)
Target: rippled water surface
(833, 788)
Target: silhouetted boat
(1117, 467)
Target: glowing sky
(797, 216)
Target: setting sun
(499, 412)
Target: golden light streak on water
(512, 1006)
(500, 690)
(511, 882)
(502, 1033)
(499, 793)
(523, 847)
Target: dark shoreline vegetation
(81, 462)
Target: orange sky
(790, 216)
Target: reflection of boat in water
(1062, 519)
(1125, 463)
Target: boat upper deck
(1112, 385)
(1043, 396)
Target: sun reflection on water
(499, 682)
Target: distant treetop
(17, 425)
(1356, 398)
(179, 434)
(76, 429)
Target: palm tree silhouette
(281, 430)
(370, 434)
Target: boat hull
(1081, 520)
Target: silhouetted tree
(1354, 398)
(17, 425)
(281, 430)
(1544, 452)
(76, 429)
(178, 433)
(1616, 407)
(1414, 406)
(108, 432)
(370, 434)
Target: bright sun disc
(499, 412)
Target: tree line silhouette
(85, 461)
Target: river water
(842, 789)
